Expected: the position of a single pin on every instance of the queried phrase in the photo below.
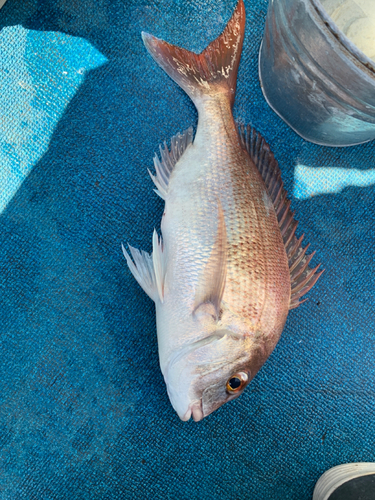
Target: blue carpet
(84, 412)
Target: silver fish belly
(228, 266)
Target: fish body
(220, 275)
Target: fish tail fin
(214, 70)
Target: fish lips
(195, 411)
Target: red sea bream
(228, 267)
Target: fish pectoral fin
(164, 168)
(205, 310)
(302, 277)
(158, 258)
(210, 289)
(142, 268)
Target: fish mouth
(195, 411)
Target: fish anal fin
(210, 289)
(214, 70)
(303, 278)
(169, 159)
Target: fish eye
(236, 382)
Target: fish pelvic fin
(213, 71)
(302, 277)
(211, 284)
(148, 270)
(141, 266)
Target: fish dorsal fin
(165, 166)
(214, 70)
(302, 277)
(211, 284)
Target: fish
(227, 267)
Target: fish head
(211, 372)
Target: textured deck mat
(84, 412)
